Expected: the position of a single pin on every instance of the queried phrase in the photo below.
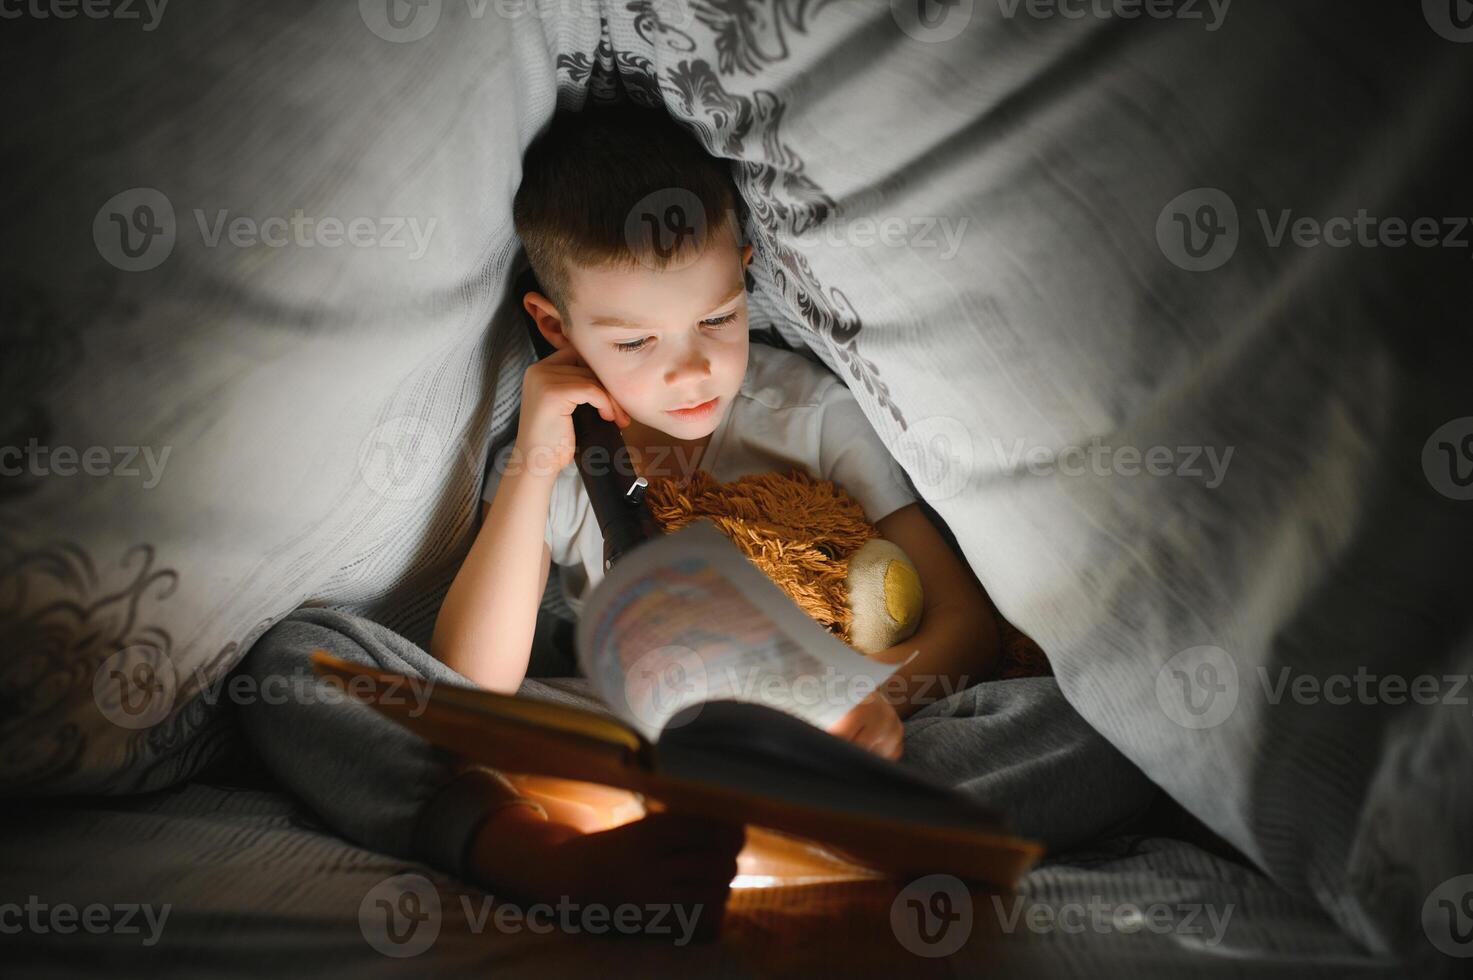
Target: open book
(718, 689)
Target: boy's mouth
(695, 411)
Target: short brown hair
(584, 177)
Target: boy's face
(660, 340)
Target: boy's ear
(549, 322)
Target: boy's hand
(872, 724)
(551, 389)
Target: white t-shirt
(789, 413)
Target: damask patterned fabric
(1206, 455)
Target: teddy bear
(811, 538)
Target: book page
(687, 618)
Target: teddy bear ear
(885, 597)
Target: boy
(653, 333)
(656, 338)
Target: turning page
(687, 618)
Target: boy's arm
(958, 635)
(485, 626)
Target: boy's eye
(715, 321)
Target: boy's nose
(691, 364)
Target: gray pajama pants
(1016, 745)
